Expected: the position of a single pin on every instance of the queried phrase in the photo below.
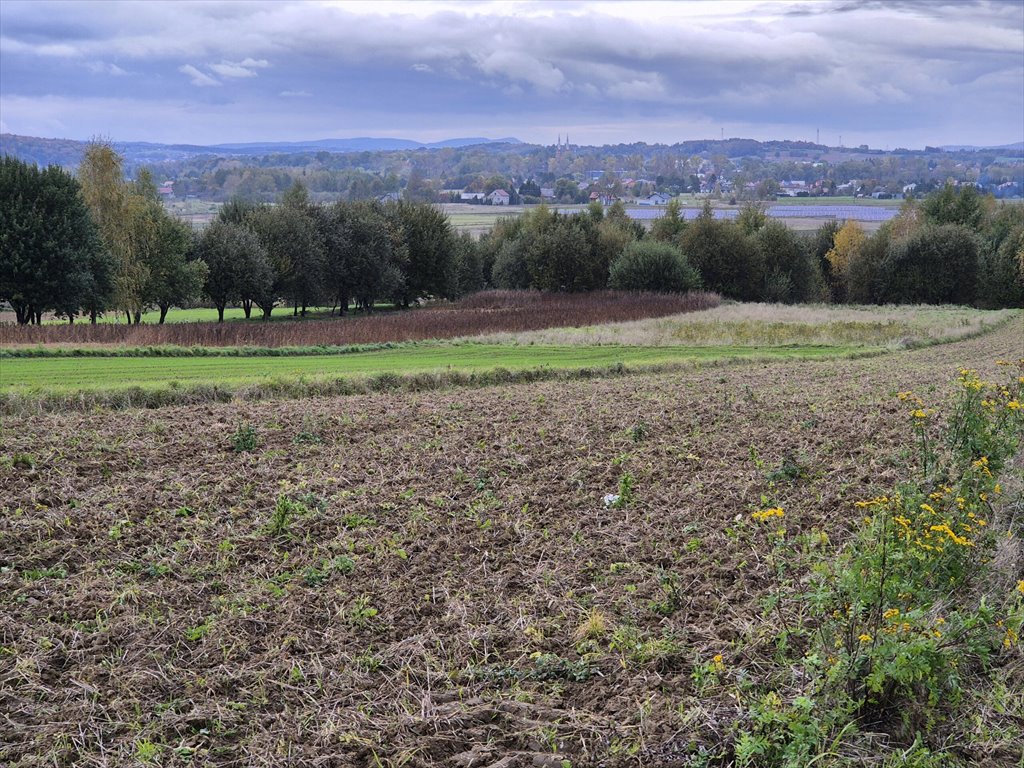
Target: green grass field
(207, 315)
(111, 373)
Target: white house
(499, 197)
(658, 198)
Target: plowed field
(425, 579)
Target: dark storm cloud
(906, 73)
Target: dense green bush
(934, 265)
(653, 266)
(729, 262)
(955, 247)
(790, 273)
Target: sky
(886, 74)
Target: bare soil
(424, 607)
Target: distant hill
(359, 144)
(1015, 147)
(68, 153)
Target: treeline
(98, 243)
(956, 247)
(305, 254)
(753, 259)
(50, 256)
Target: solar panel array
(840, 212)
(855, 212)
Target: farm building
(658, 198)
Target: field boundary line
(137, 397)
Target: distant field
(199, 213)
(478, 219)
(812, 224)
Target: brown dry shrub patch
(487, 312)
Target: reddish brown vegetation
(488, 312)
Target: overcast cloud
(884, 74)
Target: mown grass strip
(62, 374)
(119, 392)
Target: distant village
(506, 174)
(564, 176)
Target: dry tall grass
(487, 312)
(780, 324)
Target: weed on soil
(437, 578)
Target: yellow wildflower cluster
(931, 529)
(1010, 639)
(963, 541)
(969, 380)
(920, 412)
(1020, 587)
(906, 625)
(718, 663)
(998, 397)
(865, 638)
(878, 500)
(768, 514)
(982, 466)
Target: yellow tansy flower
(767, 514)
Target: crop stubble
(489, 543)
